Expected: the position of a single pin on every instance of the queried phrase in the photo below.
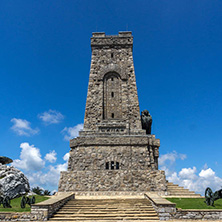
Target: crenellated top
(100, 40)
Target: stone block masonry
(113, 152)
(113, 180)
(112, 91)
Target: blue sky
(44, 68)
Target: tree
(37, 190)
(46, 192)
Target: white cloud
(189, 177)
(22, 127)
(207, 173)
(171, 158)
(66, 157)
(51, 117)
(51, 157)
(188, 173)
(49, 178)
(197, 182)
(30, 158)
(72, 132)
(167, 162)
(40, 172)
(173, 177)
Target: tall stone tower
(113, 152)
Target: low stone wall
(40, 211)
(201, 214)
(164, 208)
(168, 211)
(15, 216)
(45, 210)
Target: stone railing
(45, 210)
(164, 208)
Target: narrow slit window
(112, 115)
(117, 165)
(111, 55)
(107, 165)
(112, 165)
(112, 94)
(111, 79)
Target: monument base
(113, 163)
(113, 180)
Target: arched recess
(112, 68)
(112, 96)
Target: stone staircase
(175, 190)
(106, 210)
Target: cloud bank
(42, 172)
(72, 132)
(50, 178)
(51, 157)
(51, 117)
(190, 178)
(22, 127)
(30, 158)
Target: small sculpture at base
(146, 120)
(210, 197)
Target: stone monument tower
(113, 152)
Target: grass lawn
(194, 203)
(15, 203)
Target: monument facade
(113, 152)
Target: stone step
(107, 210)
(179, 191)
(116, 214)
(177, 188)
(107, 219)
(182, 191)
(110, 212)
(108, 205)
(108, 202)
(173, 185)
